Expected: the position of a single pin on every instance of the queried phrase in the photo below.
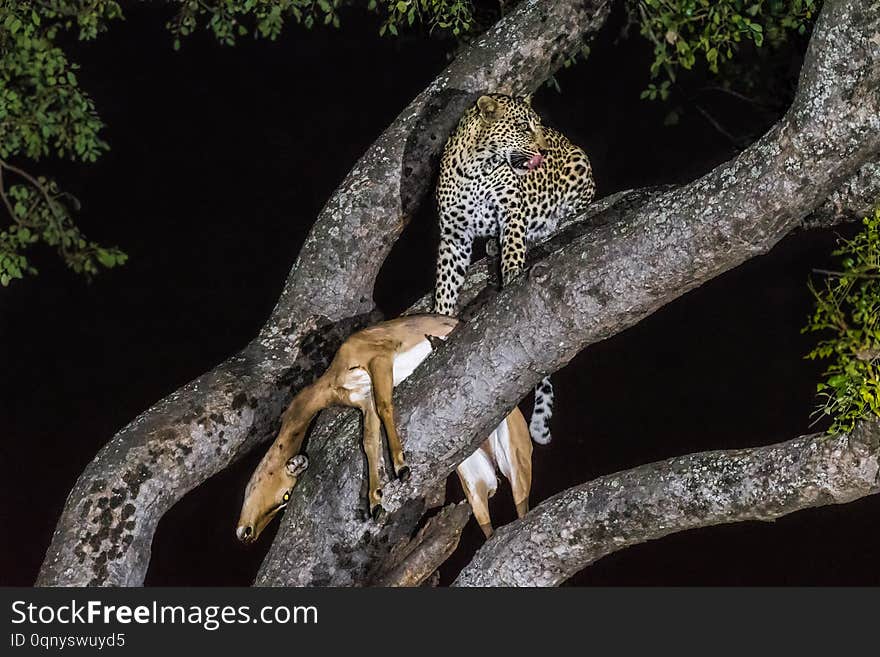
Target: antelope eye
(286, 497)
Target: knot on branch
(540, 272)
(865, 437)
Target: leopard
(505, 176)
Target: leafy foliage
(44, 112)
(456, 16)
(687, 31)
(41, 213)
(230, 19)
(848, 310)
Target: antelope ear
(488, 108)
(527, 99)
(296, 465)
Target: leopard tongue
(535, 161)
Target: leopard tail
(539, 426)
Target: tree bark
(568, 532)
(106, 528)
(590, 283)
(856, 198)
(421, 557)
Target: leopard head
(511, 129)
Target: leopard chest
(475, 210)
(476, 205)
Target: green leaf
(106, 258)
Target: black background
(221, 159)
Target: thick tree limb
(568, 532)
(423, 555)
(592, 284)
(855, 199)
(106, 528)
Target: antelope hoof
(377, 512)
(404, 473)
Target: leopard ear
(527, 99)
(489, 108)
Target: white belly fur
(359, 385)
(479, 468)
(406, 362)
(501, 451)
(358, 381)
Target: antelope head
(268, 491)
(272, 483)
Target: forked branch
(591, 283)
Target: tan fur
(515, 463)
(366, 355)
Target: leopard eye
(525, 127)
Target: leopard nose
(541, 142)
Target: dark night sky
(221, 159)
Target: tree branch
(568, 532)
(423, 555)
(104, 534)
(589, 284)
(854, 200)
